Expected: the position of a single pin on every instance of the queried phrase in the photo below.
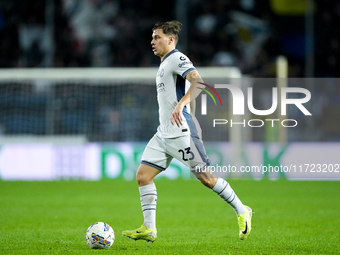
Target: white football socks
(223, 189)
(148, 199)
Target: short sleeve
(182, 65)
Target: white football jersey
(171, 87)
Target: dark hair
(169, 28)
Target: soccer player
(178, 135)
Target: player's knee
(143, 178)
(140, 178)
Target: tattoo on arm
(193, 75)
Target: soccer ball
(100, 235)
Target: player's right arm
(196, 82)
(194, 78)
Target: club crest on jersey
(160, 72)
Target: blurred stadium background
(77, 95)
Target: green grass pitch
(291, 217)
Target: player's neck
(167, 52)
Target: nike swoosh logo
(246, 230)
(138, 232)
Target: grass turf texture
(52, 217)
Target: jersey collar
(167, 55)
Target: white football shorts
(188, 149)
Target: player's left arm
(194, 78)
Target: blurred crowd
(110, 33)
(248, 34)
